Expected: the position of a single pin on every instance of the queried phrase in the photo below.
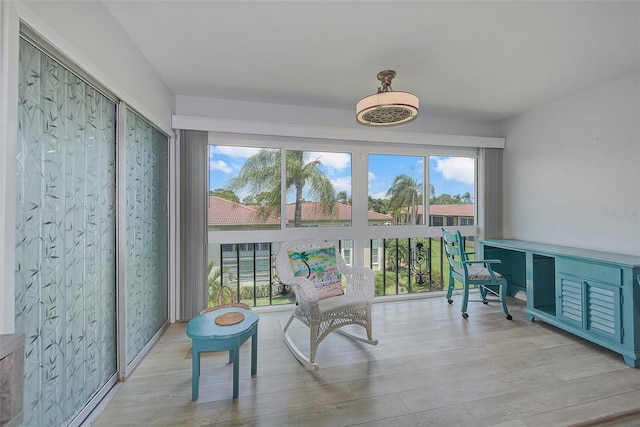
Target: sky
(451, 175)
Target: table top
(552, 249)
(203, 326)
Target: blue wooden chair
(491, 285)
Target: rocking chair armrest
(306, 294)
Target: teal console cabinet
(592, 294)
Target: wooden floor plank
(431, 368)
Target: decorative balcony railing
(402, 266)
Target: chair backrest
(283, 261)
(454, 248)
(316, 259)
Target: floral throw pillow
(320, 267)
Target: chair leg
(288, 323)
(483, 293)
(465, 300)
(503, 299)
(313, 341)
(450, 289)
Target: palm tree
(261, 175)
(302, 256)
(403, 193)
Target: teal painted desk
(207, 336)
(592, 294)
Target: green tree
(404, 192)
(448, 199)
(444, 199)
(378, 205)
(260, 175)
(341, 197)
(250, 200)
(226, 194)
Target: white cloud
(332, 161)
(219, 165)
(372, 176)
(457, 169)
(342, 183)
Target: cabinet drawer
(590, 270)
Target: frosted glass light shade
(387, 109)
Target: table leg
(235, 353)
(254, 352)
(195, 373)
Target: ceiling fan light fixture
(387, 107)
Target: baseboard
(521, 295)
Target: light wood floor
(431, 368)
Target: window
(244, 188)
(373, 205)
(466, 221)
(318, 186)
(395, 189)
(452, 190)
(346, 249)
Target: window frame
(359, 231)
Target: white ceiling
(477, 60)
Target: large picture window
(244, 188)
(452, 182)
(383, 210)
(318, 186)
(396, 186)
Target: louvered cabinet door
(603, 310)
(570, 300)
(590, 305)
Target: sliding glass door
(65, 238)
(146, 240)
(91, 238)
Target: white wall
(572, 170)
(86, 33)
(346, 119)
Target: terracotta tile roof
(226, 212)
(343, 213)
(451, 210)
(222, 211)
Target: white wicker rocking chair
(325, 315)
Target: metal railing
(401, 266)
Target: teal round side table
(206, 335)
